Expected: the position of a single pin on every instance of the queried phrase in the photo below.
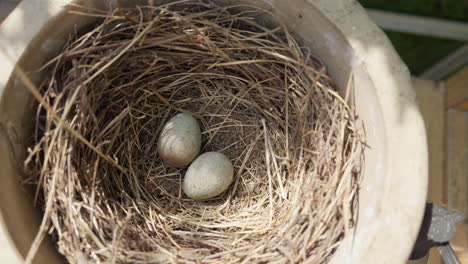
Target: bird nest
(260, 98)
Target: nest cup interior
(260, 98)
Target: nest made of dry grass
(260, 98)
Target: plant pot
(393, 191)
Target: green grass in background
(446, 9)
(421, 52)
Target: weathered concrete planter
(339, 31)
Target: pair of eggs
(179, 144)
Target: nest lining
(260, 98)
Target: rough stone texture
(389, 234)
(6, 253)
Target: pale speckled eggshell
(180, 140)
(208, 176)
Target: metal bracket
(437, 229)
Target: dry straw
(260, 98)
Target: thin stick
(35, 92)
(270, 180)
(45, 218)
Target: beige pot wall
(339, 31)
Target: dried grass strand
(296, 144)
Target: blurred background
(424, 32)
(431, 37)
